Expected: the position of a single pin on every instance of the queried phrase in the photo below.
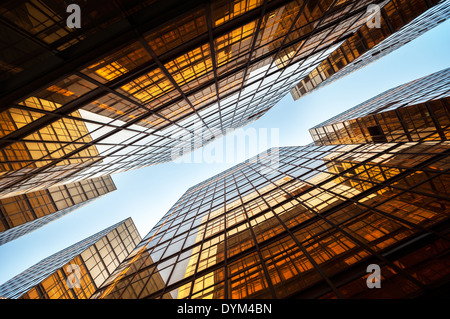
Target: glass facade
(77, 271)
(401, 21)
(108, 99)
(33, 30)
(295, 222)
(302, 222)
(22, 214)
(415, 111)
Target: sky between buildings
(146, 194)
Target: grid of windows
(401, 21)
(293, 221)
(22, 214)
(415, 111)
(220, 65)
(85, 264)
(32, 29)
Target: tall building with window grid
(307, 221)
(398, 25)
(77, 271)
(22, 214)
(126, 88)
(415, 111)
(303, 222)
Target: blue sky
(146, 194)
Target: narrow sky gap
(147, 193)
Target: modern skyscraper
(309, 221)
(308, 229)
(139, 78)
(412, 112)
(77, 271)
(22, 214)
(399, 22)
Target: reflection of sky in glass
(150, 192)
(205, 245)
(255, 80)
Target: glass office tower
(307, 221)
(306, 227)
(399, 23)
(77, 271)
(139, 77)
(412, 112)
(22, 214)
